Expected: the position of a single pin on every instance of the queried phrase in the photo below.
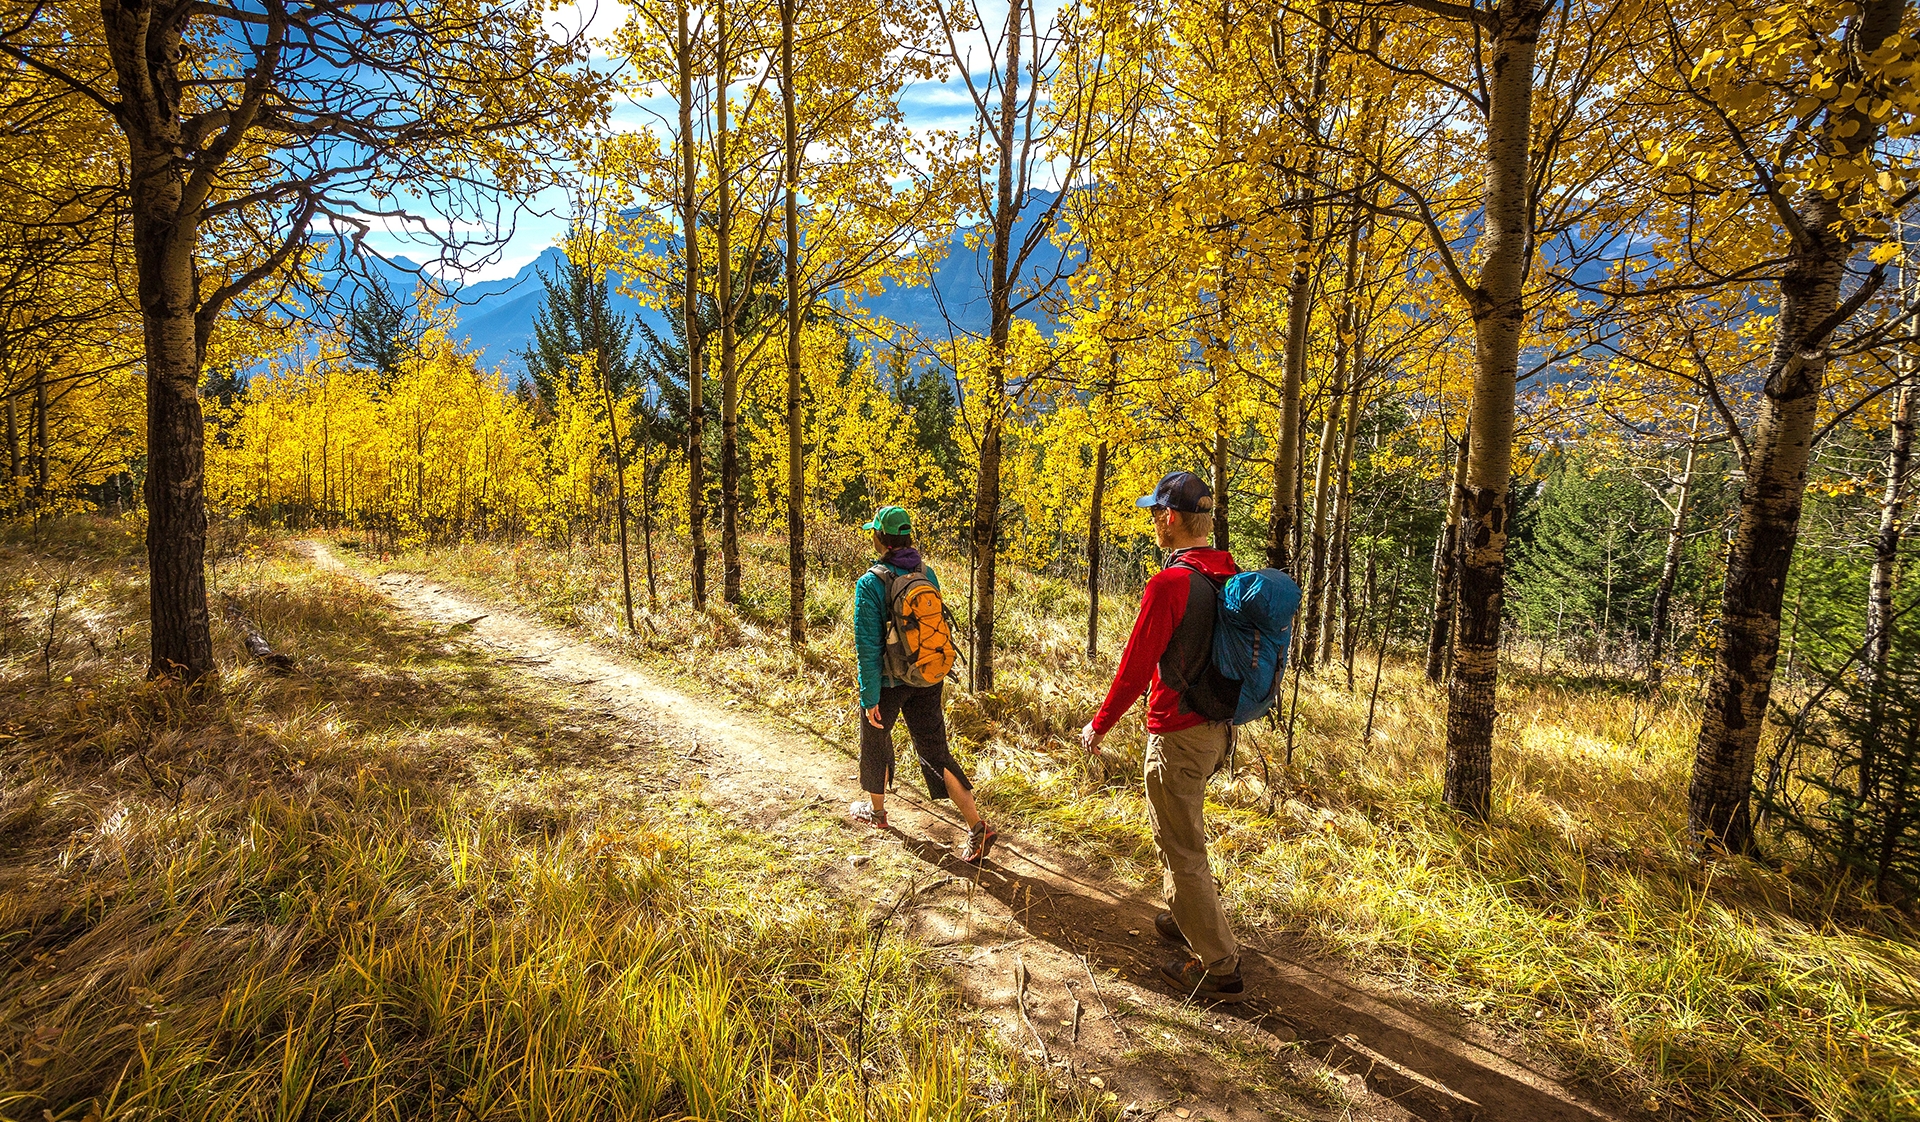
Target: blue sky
(930, 105)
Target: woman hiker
(904, 646)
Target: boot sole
(1180, 985)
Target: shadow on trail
(1420, 1065)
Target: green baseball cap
(891, 520)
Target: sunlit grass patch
(380, 887)
(1580, 915)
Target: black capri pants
(926, 725)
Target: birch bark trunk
(1670, 565)
(1886, 544)
(1718, 796)
(1499, 315)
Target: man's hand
(1090, 738)
(873, 717)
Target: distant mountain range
(496, 316)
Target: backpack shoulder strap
(1218, 583)
(886, 577)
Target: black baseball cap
(1182, 491)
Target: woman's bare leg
(962, 798)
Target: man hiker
(904, 640)
(1166, 657)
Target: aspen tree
(1679, 509)
(790, 214)
(1282, 527)
(690, 305)
(1747, 91)
(1015, 136)
(226, 110)
(1332, 434)
(1886, 541)
(1526, 193)
(738, 155)
(1446, 566)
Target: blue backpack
(1252, 631)
(1252, 634)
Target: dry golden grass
(401, 883)
(1580, 918)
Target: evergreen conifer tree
(1589, 555)
(380, 331)
(577, 318)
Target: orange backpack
(919, 646)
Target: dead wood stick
(1021, 978)
(256, 644)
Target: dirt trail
(1033, 936)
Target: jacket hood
(906, 557)
(1211, 561)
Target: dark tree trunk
(729, 354)
(690, 311)
(1331, 433)
(1282, 528)
(796, 463)
(986, 499)
(1340, 589)
(1222, 531)
(620, 489)
(165, 234)
(648, 478)
(1718, 811)
(42, 446)
(1446, 570)
(14, 482)
(1094, 516)
(182, 642)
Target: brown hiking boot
(1168, 929)
(980, 839)
(1190, 977)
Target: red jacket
(1162, 604)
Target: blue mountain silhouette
(496, 316)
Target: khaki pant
(1178, 766)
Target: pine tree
(929, 397)
(578, 319)
(380, 331)
(1589, 555)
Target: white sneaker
(862, 811)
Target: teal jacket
(870, 628)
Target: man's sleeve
(869, 605)
(1162, 604)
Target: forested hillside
(1563, 354)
